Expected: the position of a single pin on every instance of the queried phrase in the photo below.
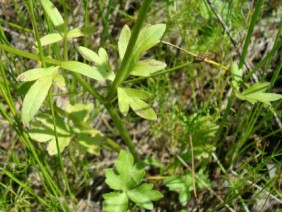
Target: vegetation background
(206, 151)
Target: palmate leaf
(90, 142)
(128, 178)
(143, 195)
(128, 97)
(128, 174)
(101, 60)
(38, 91)
(85, 140)
(184, 185)
(80, 111)
(43, 131)
(53, 14)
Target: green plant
(127, 179)
(127, 97)
(193, 129)
(254, 93)
(184, 185)
(52, 127)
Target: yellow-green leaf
(43, 131)
(80, 111)
(88, 54)
(133, 98)
(36, 73)
(123, 41)
(35, 97)
(50, 38)
(79, 32)
(53, 14)
(60, 82)
(84, 69)
(148, 37)
(147, 67)
(101, 60)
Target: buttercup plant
(101, 71)
(131, 46)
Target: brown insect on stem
(202, 57)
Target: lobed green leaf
(133, 98)
(101, 60)
(114, 201)
(114, 181)
(90, 143)
(80, 111)
(143, 196)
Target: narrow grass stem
(33, 20)
(28, 55)
(195, 55)
(224, 118)
(23, 185)
(58, 146)
(250, 32)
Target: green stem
(224, 118)
(28, 55)
(24, 186)
(123, 131)
(124, 69)
(250, 32)
(65, 39)
(33, 20)
(58, 146)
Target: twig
(195, 55)
(206, 185)
(193, 166)
(258, 187)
